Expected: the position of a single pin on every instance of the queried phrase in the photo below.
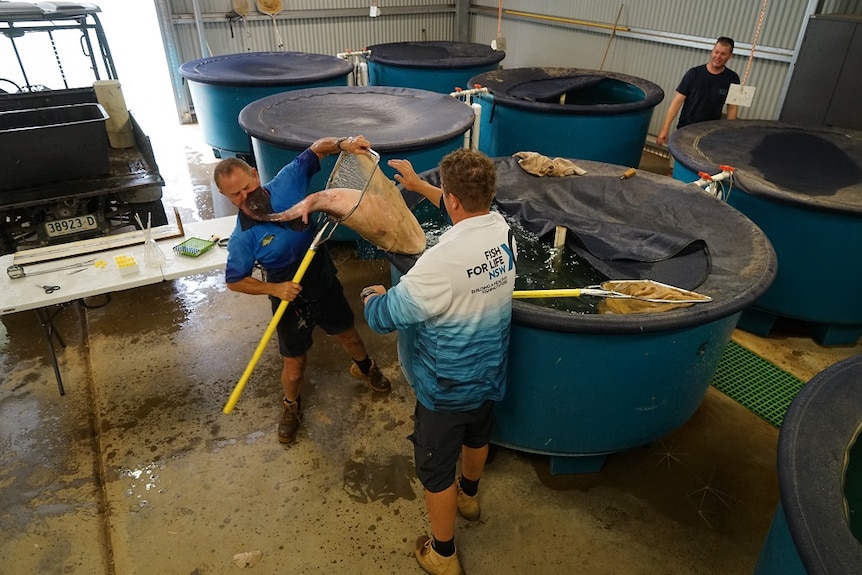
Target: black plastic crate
(53, 144)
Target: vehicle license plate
(71, 225)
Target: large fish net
(380, 214)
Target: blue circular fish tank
(816, 528)
(405, 123)
(566, 112)
(221, 86)
(585, 385)
(802, 186)
(438, 66)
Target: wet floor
(137, 470)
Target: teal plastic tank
(221, 86)
(566, 112)
(811, 531)
(802, 185)
(437, 66)
(584, 385)
(405, 123)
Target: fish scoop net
(353, 171)
(626, 296)
(379, 214)
(644, 296)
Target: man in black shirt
(702, 91)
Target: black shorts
(437, 439)
(331, 312)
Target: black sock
(297, 401)
(444, 548)
(468, 486)
(364, 365)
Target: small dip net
(647, 296)
(625, 296)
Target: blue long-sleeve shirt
(453, 311)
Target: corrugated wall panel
(658, 39)
(346, 26)
(223, 6)
(329, 36)
(653, 51)
(853, 7)
(734, 18)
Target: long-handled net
(350, 170)
(626, 296)
(367, 202)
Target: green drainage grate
(755, 383)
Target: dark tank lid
(820, 426)
(393, 119)
(435, 54)
(815, 167)
(645, 227)
(265, 69)
(587, 92)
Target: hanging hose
(613, 33)
(754, 41)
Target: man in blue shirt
(279, 248)
(702, 91)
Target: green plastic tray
(193, 247)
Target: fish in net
(362, 198)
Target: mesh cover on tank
(435, 54)
(265, 69)
(815, 166)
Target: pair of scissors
(49, 289)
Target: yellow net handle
(545, 293)
(261, 346)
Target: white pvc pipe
(465, 94)
(351, 53)
(199, 26)
(360, 67)
(477, 111)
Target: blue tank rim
(725, 303)
(653, 93)
(824, 413)
(461, 121)
(458, 55)
(222, 71)
(683, 146)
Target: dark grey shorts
(331, 312)
(437, 439)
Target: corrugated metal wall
(193, 29)
(655, 39)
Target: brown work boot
(468, 506)
(289, 423)
(434, 563)
(375, 378)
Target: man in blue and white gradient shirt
(456, 304)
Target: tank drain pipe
(471, 137)
(474, 132)
(713, 184)
(360, 66)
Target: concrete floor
(137, 470)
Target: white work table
(98, 273)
